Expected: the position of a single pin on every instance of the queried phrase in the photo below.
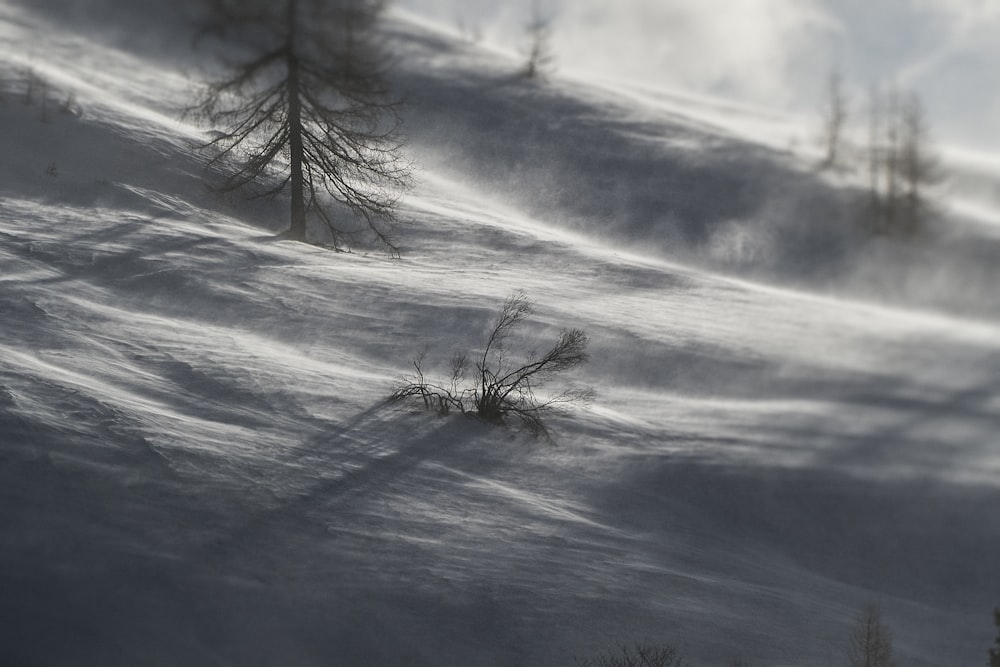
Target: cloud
(958, 75)
(774, 53)
(749, 49)
(964, 16)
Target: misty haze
(552, 332)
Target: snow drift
(197, 467)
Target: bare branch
(870, 643)
(639, 655)
(504, 389)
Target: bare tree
(834, 120)
(995, 652)
(883, 158)
(308, 110)
(875, 121)
(37, 86)
(640, 655)
(503, 385)
(918, 167)
(890, 156)
(870, 642)
(901, 164)
(539, 31)
(31, 80)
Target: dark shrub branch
(640, 655)
(504, 386)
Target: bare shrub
(639, 655)
(503, 386)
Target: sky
(773, 53)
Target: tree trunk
(893, 131)
(297, 230)
(875, 160)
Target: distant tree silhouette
(919, 167)
(995, 652)
(835, 118)
(31, 81)
(901, 164)
(870, 643)
(37, 86)
(539, 31)
(307, 109)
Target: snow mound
(197, 466)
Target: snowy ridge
(197, 466)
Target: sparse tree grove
(307, 111)
(834, 120)
(900, 165)
(870, 641)
(869, 644)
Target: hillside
(197, 465)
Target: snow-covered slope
(196, 466)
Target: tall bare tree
(870, 642)
(901, 164)
(919, 168)
(834, 119)
(539, 30)
(875, 121)
(995, 652)
(307, 110)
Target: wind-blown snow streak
(196, 465)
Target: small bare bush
(497, 385)
(640, 655)
(835, 119)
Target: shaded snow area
(197, 466)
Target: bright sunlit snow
(197, 466)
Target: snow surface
(197, 467)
